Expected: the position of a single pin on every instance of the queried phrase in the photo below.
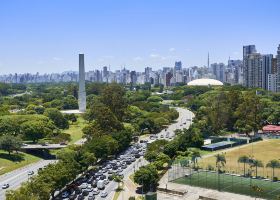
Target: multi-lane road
(16, 177)
(184, 120)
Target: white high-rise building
(272, 82)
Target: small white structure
(205, 82)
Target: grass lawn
(75, 129)
(264, 150)
(235, 184)
(15, 161)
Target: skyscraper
(247, 50)
(253, 70)
(218, 70)
(178, 66)
(82, 87)
(266, 69)
(278, 68)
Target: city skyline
(131, 35)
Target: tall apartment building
(218, 70)
(266, 69)
(278, 68)
(247, 50)
(253, 70)
(178, 66)
(272, 82)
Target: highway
(16, 177)
(184, 116)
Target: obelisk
(82, 87)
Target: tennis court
(218, 145)
(233, 183)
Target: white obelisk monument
(82, 87)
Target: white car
(95, 191)
(104, 194)
(5, 186)
(106, 181)
(30, 173)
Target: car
(44, 144)
(30, 173)
(124, 166)
(91, 196)
(104, 194)
(95, 191)
(83, 186)
(85, 192)
(137, 155)
(5, 186)
(80, 197)
(161, 136)
(62, 143)
(73, 196)
(65, 194)
(110, 171)
(120, 175)
(106, 181)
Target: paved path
(16, 177)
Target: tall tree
(194, 156)
(147, 176)
(57, 117)
(10, 143)
(273, 164)
(249, 113)
(257, 163)
(245, 160)
(113, 96)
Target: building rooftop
(204, 82)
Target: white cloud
(154, 55)
(172, 49)
(137, 58)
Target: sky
(46, 36)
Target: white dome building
(204, 82)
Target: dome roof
(205, 82)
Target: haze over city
(46, 36)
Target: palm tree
(257, 163)
(273, 164)
(195, 155)
(220, 161)
(243, 159)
